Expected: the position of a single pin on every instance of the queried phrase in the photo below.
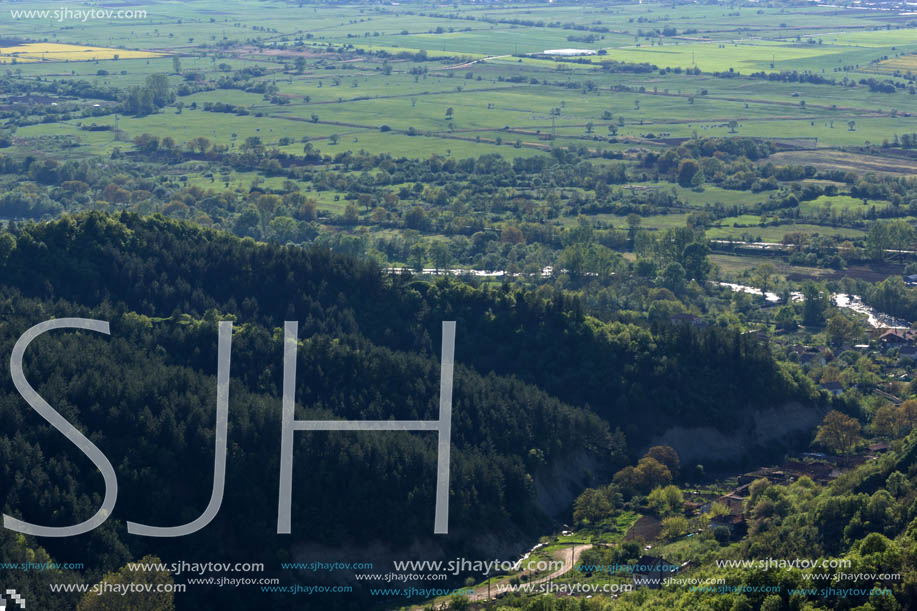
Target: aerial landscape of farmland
(536, 304)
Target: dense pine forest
(537, 382)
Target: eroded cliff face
(559, 483)
(787, 426)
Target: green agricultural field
(731, 265)
(774, 233)
(656, 222)
(827, 204)
(711, 196)
(463, 81)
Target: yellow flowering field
(49, 51)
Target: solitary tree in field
(851, 126)
(333, 138)
(176, 65)
(300, 64)
(450, 112)
(732, 126)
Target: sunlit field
(54, 52)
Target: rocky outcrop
(789, 425)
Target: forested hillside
(536, 380)
(161, 268)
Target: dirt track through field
(569, 559)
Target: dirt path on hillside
(563, 555)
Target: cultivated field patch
(49, 51)
(851, 162)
